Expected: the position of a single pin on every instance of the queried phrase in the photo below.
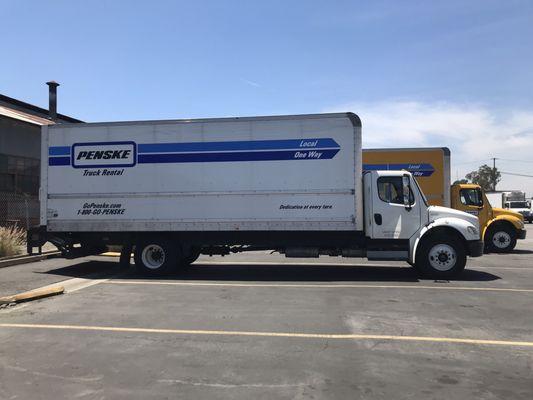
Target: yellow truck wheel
(500, 238)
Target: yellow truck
(431, 166)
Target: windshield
(519, 204)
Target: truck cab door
(472, 201)
(393, 215)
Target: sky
(419, 73)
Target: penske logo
(105, 154)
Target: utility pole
(494, 174)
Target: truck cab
(401, 225)
(500, 228)
(520, 206)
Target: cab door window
(471, 197)
(390, 190)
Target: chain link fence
(19, 209)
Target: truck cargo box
(232, 174)
(430, 166)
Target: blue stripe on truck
(59, 151)
(251, 150)
(417, 169)
(58, 161)
(237, 156)
(284, 144)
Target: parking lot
(262, 326)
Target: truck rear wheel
(156, 256)
(441, 257)
(500, 239)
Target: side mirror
(406, 192)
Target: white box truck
(512, 200)
(515, 200)
(176, 189)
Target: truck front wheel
(500, 239)
(441, 257)
(156, 256)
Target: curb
(27, 259)
(32, 295)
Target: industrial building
(20, 153)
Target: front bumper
(521, 234)
(475, 248)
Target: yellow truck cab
(499, 228)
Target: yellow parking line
(272, 334)
(318, 285)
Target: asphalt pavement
(262, 326)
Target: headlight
(472, 230)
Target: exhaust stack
(52, 100)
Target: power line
(487, 159)
(515, 174)
(524, 161)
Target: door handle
(378, 219)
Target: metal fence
(19, 209)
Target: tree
(486, 177)
(460, 181)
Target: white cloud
(251, 83)
(474, 133)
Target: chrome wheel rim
(442, 257)
(153, 256)
(501, 240)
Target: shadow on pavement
(270, 273)
(522, 251)
(84, 269)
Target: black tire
(125, 255)
(441, 257)
(500, 238)
(189, 258)
(156, 256)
